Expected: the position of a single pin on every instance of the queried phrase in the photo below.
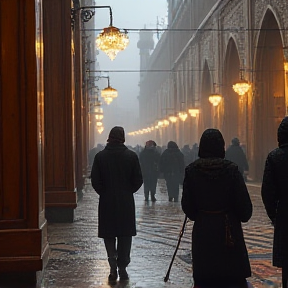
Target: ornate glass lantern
(215, 99)
(111, 41)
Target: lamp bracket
(86, 14)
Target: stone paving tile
(78, 257)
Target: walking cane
(179, 240)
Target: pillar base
(59, 214)
(20, 279)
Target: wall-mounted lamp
(110, 40)
(108, 93)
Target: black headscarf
(212, 144)
(116, 135)
(283, 132)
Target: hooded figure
(116, 176)
(149, 161)
(275, 198)
(216, 198)
(236, 154)
(172, 166)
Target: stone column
(60, 184)
(23, 229)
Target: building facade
(207, 48)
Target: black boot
(113, 269)
(123, 274)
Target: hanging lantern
(111, 41)
(100, 129)
(165, 123)
(183, 115)
(215, 99)
(173, 119)
(193, 112)
(108, 94)
(98, 112)
(241, 87)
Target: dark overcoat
(149, 161)
(115, 176)
(216, 198)
(172, 164)
(236, 154)
(275, 198)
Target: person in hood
(216, 198)
(275, 198)
(236, 154)
(172, 166)
(116, 176)
(149, 161)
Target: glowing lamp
(215, 99)
(183, 116)
(193, 112)
(173, 119)
(111, 41)
(241, 87)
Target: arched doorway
(205, 119)
(269, 97)
(231, 99)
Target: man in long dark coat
(115, 176)
(149, 161)
(172, 166)
(275, 198)
(216, 198)
(236, 154)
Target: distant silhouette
(236, 154)
(172, 165)
(149, 161)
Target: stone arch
(231, 75)
(206, 89)
(269, 92)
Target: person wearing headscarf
(172, 166)
(116, 176)
(236, 154)
(215, 197)
(149, 160)
(275, 198)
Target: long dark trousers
(118, 253)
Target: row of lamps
(111, 41)
(241, 88)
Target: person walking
(236, 154)
(215, 196)
(275, 198)
(149, 161)
(115, 176)
(187, 154)
(172, 165)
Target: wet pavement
(78, 257)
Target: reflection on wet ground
(78, 258)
